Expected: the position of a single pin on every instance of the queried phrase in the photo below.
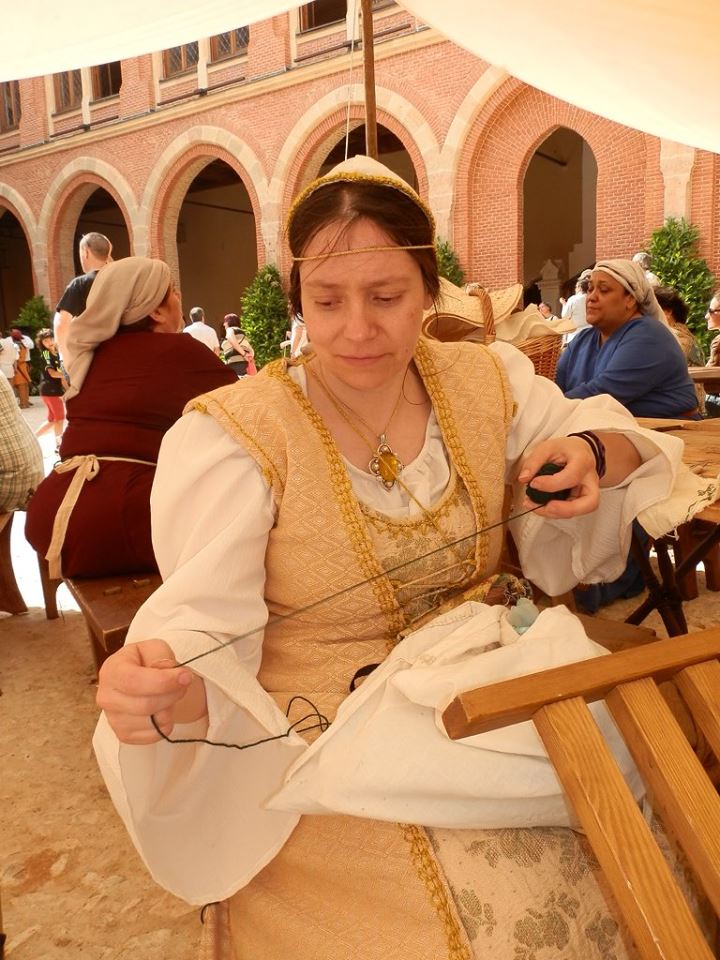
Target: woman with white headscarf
(91, 515)
(628, 350)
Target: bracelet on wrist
(597, 447)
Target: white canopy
(650, 64)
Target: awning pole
(371, 143)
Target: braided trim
(443, 412)
(352, 517)
(427, 870)
(219, 412)
(509, 402)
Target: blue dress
(642, 365)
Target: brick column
(33, 111)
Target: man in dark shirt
(95, 251)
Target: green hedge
(675, 261)
(264, 314)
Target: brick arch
(507, 130)
(63, 205)
(181, 162)
(317, 132)
(13, 201)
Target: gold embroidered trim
(349, 508)
(427, 870)
(219, 412)
(511, 406)
(443, 412)
(422, 523)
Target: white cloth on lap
(387, 755)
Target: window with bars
(9, 105)
(68, 90)
(230, 44)
(321, 13)
(106, 80)
(180, 59)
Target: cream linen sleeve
(559, 554)
(195, 812)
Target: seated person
(21, 466)
(283, 512)
(627, 351)
(676, 314)
(128, 386)
(712, 318)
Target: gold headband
(350, 176)
(345, 253)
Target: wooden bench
(682, 794)
(108, 604)
(11, 600)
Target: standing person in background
(8, 357)
(95, 250)
(644, 261)
(22, 379)
(298, 336)
(52, 386)
(202, 331)
(237, 349)
(574, 308)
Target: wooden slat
(680, 789)
(513, 701)
(700, 688)
(658, 916)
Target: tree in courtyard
(265, 314)
(675, 261)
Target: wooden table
(709, 377)
(702, 455)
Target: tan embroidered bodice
(328, 555)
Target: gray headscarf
(122, 293)
(631, 277)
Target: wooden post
(371, 143)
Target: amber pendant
(385, 465)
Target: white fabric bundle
(388, 757)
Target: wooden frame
(644, 888)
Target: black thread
(282, 617)
(322, 721)
(322, 724)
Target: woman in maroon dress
(91, 515)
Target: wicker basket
(544, 353)
(477, 290)
(451, 328)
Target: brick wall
(276, 128)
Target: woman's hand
(143, 680)
(578, 474)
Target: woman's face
(363, 312)
(712, 316)
(608, 306)
(49, 343)
(168, 315)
